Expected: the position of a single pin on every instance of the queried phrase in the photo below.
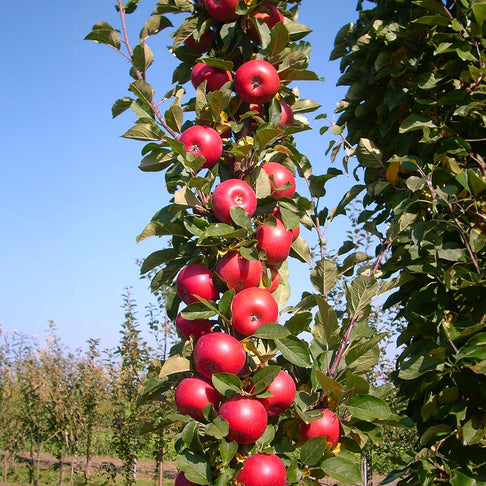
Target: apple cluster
(235, 219)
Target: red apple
(247, 419)
(282, 181)
(181, 480)
(232, 193)
(258, 108)
(326, 426)
(204, 42)
(196, 328)
(223, 10)
(283, 394)
(256, 81)
(276, 242)
(195, 280)
(193, 394)
(263, 470)
(239, 273)
(269, 14)
(251, 308)
(274, 278)
(218, 352)
(287, 118)
(214, 76)
(205, 141)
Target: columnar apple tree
(265, 394)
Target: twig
(139, 74)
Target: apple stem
(140, 75)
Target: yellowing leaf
(392, 172)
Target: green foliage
(415, 109)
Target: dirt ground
(146, 469)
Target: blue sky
(72, 199)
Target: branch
(139, 74)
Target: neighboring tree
(230, 172)
(126, 375)
(416, 110)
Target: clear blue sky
(72, 199)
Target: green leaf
(299, 323)
(227, 384)
(264, 377)
(369, 154)
(474, 349)
(240, 217)
(142, 57)
(342, 469)
(175, 364)
(195, 467)
(312, 450)
(104, 33)
(359, 295)
(218, 428)
(368, 408)
(300, 250)
(327, 326)
(142, 89)
(294, 350)
(144, 132)
(297, 30)
(186, 198)
(154, 25)
(174, 117)
(416, 122)
(324, 276)
(268, 435)
(417, 366)
(120, 106)
(157, 160)
(198, 310)
(279, 39)
(271, 330)
(228, 450)
(479, 12)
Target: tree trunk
(88, 457)
(36, 465)
(73, 467)
(61, 468)
(5, 467)
(160, 467)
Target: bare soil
(145, 468)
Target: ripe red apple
(232, 193)
(205, 141)
(274, 278)
(214, 76)
(256, 81)
(263, 470)
(287, 118)
(193, 394)
(269, 14)
(181, 480)
(280, 178)
(204, 42)
(326, 426)
(218, 352)
(283, 394)
(247, 419)
(195, 280)
(196, 328)
(276, 242)
(251, 308)
(223, 10)
(237, 272)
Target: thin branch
(139, 74)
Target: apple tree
(265, 392)
(415, 110)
